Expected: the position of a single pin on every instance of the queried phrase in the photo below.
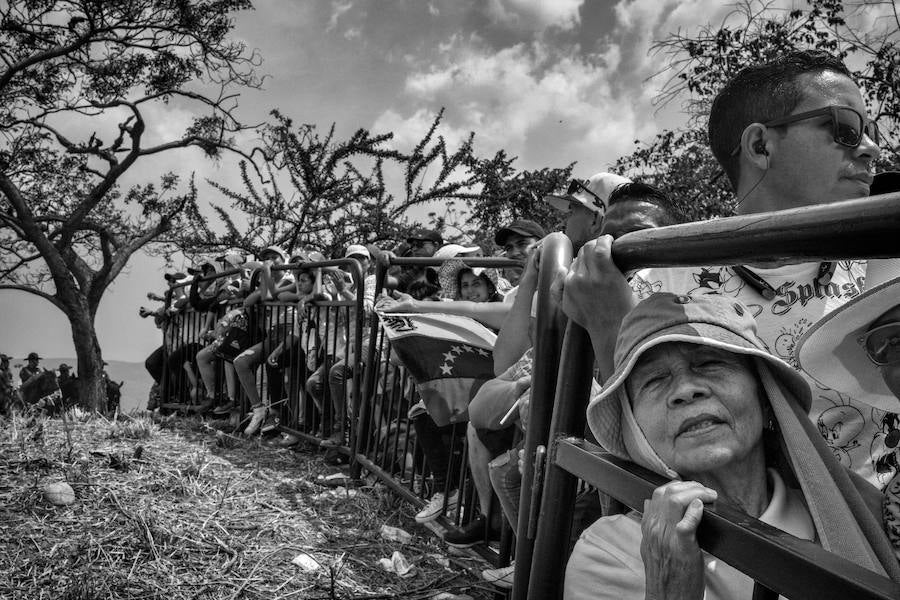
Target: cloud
(534, 15)
(338, 8)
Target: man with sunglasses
(424, 242)
(585, 202)
(789, 133)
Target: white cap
(357, 249)
(601, 185)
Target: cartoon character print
(840, 426)
(885, 447)
(644, 288)
(891, 510)
(787, 339)
(716, 281)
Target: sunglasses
(847, 125)
(882, 344)
(575, 185)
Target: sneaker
(257, 418)
(472, 533)
(502, 577)
(224, 409)
(435, 507)
(270, 425)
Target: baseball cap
(592, 193)
(425, 234)
(171, 277)
(708, 320)
(64, 366)
(274, 250)
(357, 250)
(522, 227)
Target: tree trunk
(91, 388)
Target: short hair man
(585, 203)
(792, 132)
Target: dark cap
(885, 183)
(64, 367)
(425, 234)
(522, 227)
(174, 276)
(33, 356)
(5, 357)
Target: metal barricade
(331, 330)
(386, 441)
(857, 229)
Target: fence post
(556, 254)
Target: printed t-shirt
(853, 430)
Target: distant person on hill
(31, 368)
(9, 396)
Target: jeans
(507, 483)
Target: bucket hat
(708, 320)
(830, 351)
(448, 276)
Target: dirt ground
(165, 509)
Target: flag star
(457, 349)
(449, 357)
(482, 351)
(446, 369)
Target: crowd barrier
(780, 564)
(386, 443)
(328, 345)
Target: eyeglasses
(576, 185)
(882, 344)
(419, 243)
(847, 125)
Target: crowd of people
(773, 386)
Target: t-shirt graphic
(853, 430)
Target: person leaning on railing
(696, 396)
(856, 350)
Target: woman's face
(890, 372)
(698, 406)
(305, 282)
(472, 287)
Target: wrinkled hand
(594, 293)
(673, 562)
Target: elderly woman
(697, 397)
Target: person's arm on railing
(491, 314)
(514, 337)
(597, 297)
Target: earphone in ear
(760, 148)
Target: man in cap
(517, 240)
(8, 393)
(585, 202)
(424, 242)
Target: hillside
(167, 509)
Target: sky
(550, 81)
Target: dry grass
(164, 510)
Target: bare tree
(70, 67)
